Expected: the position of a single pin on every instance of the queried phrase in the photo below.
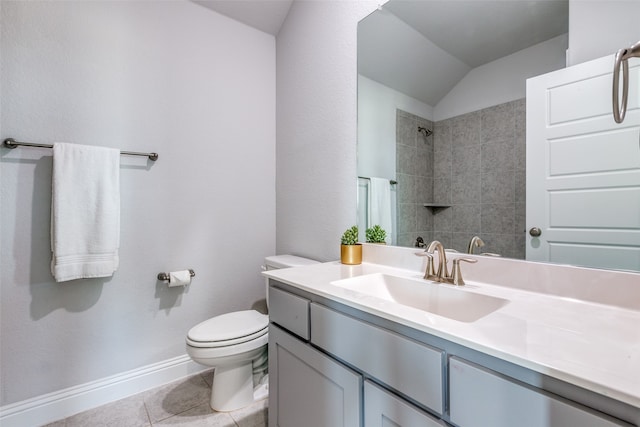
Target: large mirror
(441, 116)
(441, 112)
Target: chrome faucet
(456, 274)
(476, 242)
(441, 274)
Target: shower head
(424, 131)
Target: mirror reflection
(441, 110)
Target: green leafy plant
(376, 234)
(350, 236)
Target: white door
(583, 169)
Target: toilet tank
(275, 262)
(285, 261)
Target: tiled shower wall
(478, 169)
(414, 173)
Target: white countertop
(591, 345)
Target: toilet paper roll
(179, 278)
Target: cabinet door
(307, 388)
(479, 397)
(382, 409)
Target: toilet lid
(230, 326)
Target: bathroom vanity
(376, 345)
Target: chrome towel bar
(12, 143)
(621, 60)
(391, 181)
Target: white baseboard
(60, 404)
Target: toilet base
(232, 387)
(234, 370)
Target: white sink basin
(437, 298)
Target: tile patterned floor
(181, 403)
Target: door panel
(583, 169)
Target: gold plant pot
(351, 254)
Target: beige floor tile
(208, 377)
(254, 415)
(129, 412)
(176, 397)
(181, 403)
(200, 416)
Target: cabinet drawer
(383, 409)
(289, 311)
(479, 397)
(412, 368)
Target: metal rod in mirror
(621, 60)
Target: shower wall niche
(474, 164)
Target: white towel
(85, 211)
(379, 208)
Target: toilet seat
(228, 329)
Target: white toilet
(235, 344)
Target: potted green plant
(376, 234)
(350, 249)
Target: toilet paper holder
(166, 278)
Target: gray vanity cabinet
(331, 365)
(309, 389)
(411, 368)
(310, 384)
(382, 409)
(289, 311)
(480, 397)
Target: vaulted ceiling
(424, 47)
(265, 15)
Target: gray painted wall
(316, 126)
(170, 77)
(600, 27)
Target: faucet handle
(456, 276)
(430, 271)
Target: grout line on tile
(146, 410)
